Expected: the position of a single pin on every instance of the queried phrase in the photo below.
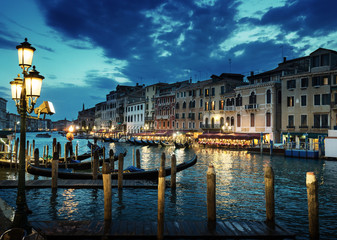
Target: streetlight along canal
(239, 190)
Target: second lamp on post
(25, 92)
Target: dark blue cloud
(310, 17)
(174, 39)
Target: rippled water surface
(240, 190)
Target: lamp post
(25, 92)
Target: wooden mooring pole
(65, 155)
(36, 157)
(161, 198)
(269, 196)
(173, 172)
(106, 173)
(120, 171)
(112, 160)
(54, 171)
(312, 194)
(211, 200)
(76, 151)
(138, 158)
(95, 166)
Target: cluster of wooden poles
(13, 156)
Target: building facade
(308, 104)
(3, 112)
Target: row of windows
(135, 108)
(229, 121)
(320, 121)
(319, 99)
(135, 118)
(315, 82)
(207, 92)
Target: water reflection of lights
(69, 206)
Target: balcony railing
(229, 108)
(251, 106)
(322, 127)
(149, 118)
(211, 126)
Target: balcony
(229, 108)
(251, 107)
(211, 126)
(149, 118)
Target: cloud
(173, 40)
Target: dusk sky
(85, 48)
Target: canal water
(239, 190)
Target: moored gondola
(141, 175)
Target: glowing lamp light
(71, 129)
(25, 54)
(70, 135)
(33, 83)
(16, 88)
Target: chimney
(252, 73)
(284, 59)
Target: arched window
(252, 98)
(177, 105)
(232, 121)
(222, 122)
(228, 102)
(184, 105)
(268, 96)
(227, 121)
(200, 103)
(212, 122)
(239, 100)
(206, 122)
(238, 120)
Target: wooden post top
(210, 169)
(268, 172)
(311, 178)
(106, 168)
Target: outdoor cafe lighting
(25, 92)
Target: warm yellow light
(25, 54)
(33, 83)
(16, 88)
(71, 129)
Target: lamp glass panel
(51, 107)
(25, 56)
(33, 86)
(16, 91)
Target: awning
(240, 136)
(310, 135)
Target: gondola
(164, 144)
(138, 142)
(179, 145)
(72, 164)
(152, 143)
(141, 175)
(95, 147)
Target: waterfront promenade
(240, 192)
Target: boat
(179, 145)
(43, 135)
(138, 142)
(137, 175)
(95, 147)
(152, 143)
(165, 144)
(76, 165)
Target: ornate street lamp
(25, 93)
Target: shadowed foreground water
(240, 190)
